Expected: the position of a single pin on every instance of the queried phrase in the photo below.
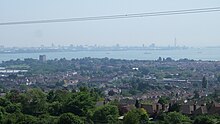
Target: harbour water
(196, 54)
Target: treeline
(79, 107)
(60, 106)
(63, 107)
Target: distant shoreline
(83, 50)
(207, 54)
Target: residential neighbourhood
(189, 87)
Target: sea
(206, 54)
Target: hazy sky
(191, 30)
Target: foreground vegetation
(64, 107)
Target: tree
(203, 120)
(4, 102)
(55, 108)
(51, 96)
(11, 108)
(58, 96)
(173, 118)
(47, 119)
(106, 114)
(177, 118)
(196, 94)
(2, 112)
(19, 118)
(163, 101)
(80, 103)
(33, 102)
(84, 89)
(136, 116)
(137, 104)
(174, 107)
(69, 118)
(204, 82)
(14, 96)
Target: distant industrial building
(42, 58)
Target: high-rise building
(42, 58)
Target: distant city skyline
(193, 30)
(174, 44)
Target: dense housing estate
(157, 86)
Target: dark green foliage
(51, 96)
(2, 112)
(37, 107)
(12, 108)
(139, 85)
(177, 118)
(106, 114)
(63, 107)
(47, 119)
(55, 108)
(33, 102)
(173, 118)
(133, 91)
(136, 116)
(196, 94)
(96, 93)
(4, 102)
(69, 118)
(203, 120)
(84, 89)
(14, 96)
(31, 106)
(58, 95)
(137, 104)
(114, 102)
(80, 103)
(161, 118)
(174, 107)
(163, 100)
(19, 118)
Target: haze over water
(196, 54)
